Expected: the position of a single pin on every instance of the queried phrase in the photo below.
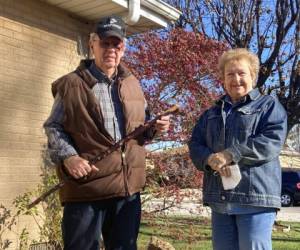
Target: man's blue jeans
(242, 231)
(117, 219)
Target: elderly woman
(244, 129)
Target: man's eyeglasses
(117, 45)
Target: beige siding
(38, 43)
(289, 159)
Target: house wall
(38, 44)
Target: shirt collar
(100, 75)
(252, 95)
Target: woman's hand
(219, 161)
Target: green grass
(195, 233)
(289, 240)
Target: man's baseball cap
(111, 26)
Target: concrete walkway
(191, 206)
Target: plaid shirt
(60, 144)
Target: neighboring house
(39, 42)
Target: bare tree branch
(270, 30)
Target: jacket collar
(254, 94)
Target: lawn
(195, 233)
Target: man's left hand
(163, 124)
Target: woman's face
(238, 81)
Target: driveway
(193, 207)
(289, 214)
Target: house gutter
(163, 9)
(134, 12)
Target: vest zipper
(125, 170)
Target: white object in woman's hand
(230, 182)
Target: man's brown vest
(123, 172)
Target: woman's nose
(236, 77)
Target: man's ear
(91, 50)
(91, 44)
(123, 51)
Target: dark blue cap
(111, 26)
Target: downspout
(134, 7)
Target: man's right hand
(78, 167)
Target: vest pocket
(135, 156)
(135, 160)
(106, 167)
(109, 165)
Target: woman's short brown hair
(236, 55)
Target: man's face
(238, 81)
(108, 52)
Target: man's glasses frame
(117, 45)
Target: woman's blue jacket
(254, 132)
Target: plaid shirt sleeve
(60, 145)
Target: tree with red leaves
(271, 29)
(175, 66)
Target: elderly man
(95, 106)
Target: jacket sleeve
(199, 152)
(267, 143)
(60, 145)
